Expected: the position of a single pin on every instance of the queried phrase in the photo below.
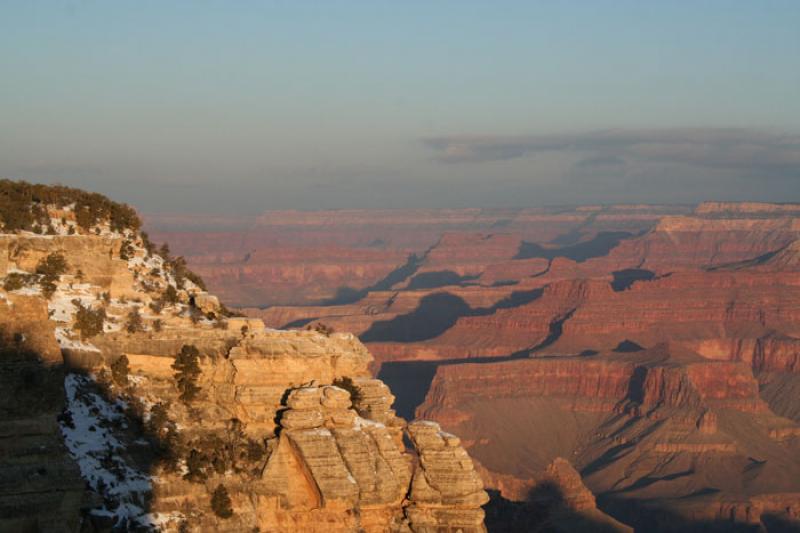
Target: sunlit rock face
(132, 399)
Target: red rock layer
(294, 257)
(596, 384)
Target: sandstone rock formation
(446, 489)
(177, 415)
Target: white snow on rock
(30, 291)
(88, 435)
(361, 423)
(61, 228)
(65, 341)
(60, 306)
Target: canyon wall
(134, 400)
(655, 349)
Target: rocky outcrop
(346, 462)
(446, 489)
(176, 415)
(574, 493)
(332, 450)
(336, 458)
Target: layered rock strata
(446, 489)
(178, 416)
(641, 427)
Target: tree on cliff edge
(87, 320)
(187, 370)
(221, 502)
(120, 370)
(134, 323)
(50, 270)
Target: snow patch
(30, 291)
(361, 423)
(60, 306)
(86, 428)
(64, 340)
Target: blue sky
(221, 106)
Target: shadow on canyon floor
(623, 279)
(544, 510)
(652, 516)
(436, 279)
(600, 245)
(574, 235)
(435, 314)
(349, 295)
(411, 380)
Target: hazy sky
(244, 106)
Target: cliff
(175, 414)
(641, 428)
(41, 487)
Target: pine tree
(126, 250)
(187, 370)
(221, 502)
(88, 321)
(49, 270)
(119, 370)
(134, 323)
(170, 295)
(196, 463)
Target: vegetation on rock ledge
(187, 370)
(221, 502)
(49, 271)
(120, 370)
(88, 321)
(23, 207)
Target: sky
(239, 107)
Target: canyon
(645, 356)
